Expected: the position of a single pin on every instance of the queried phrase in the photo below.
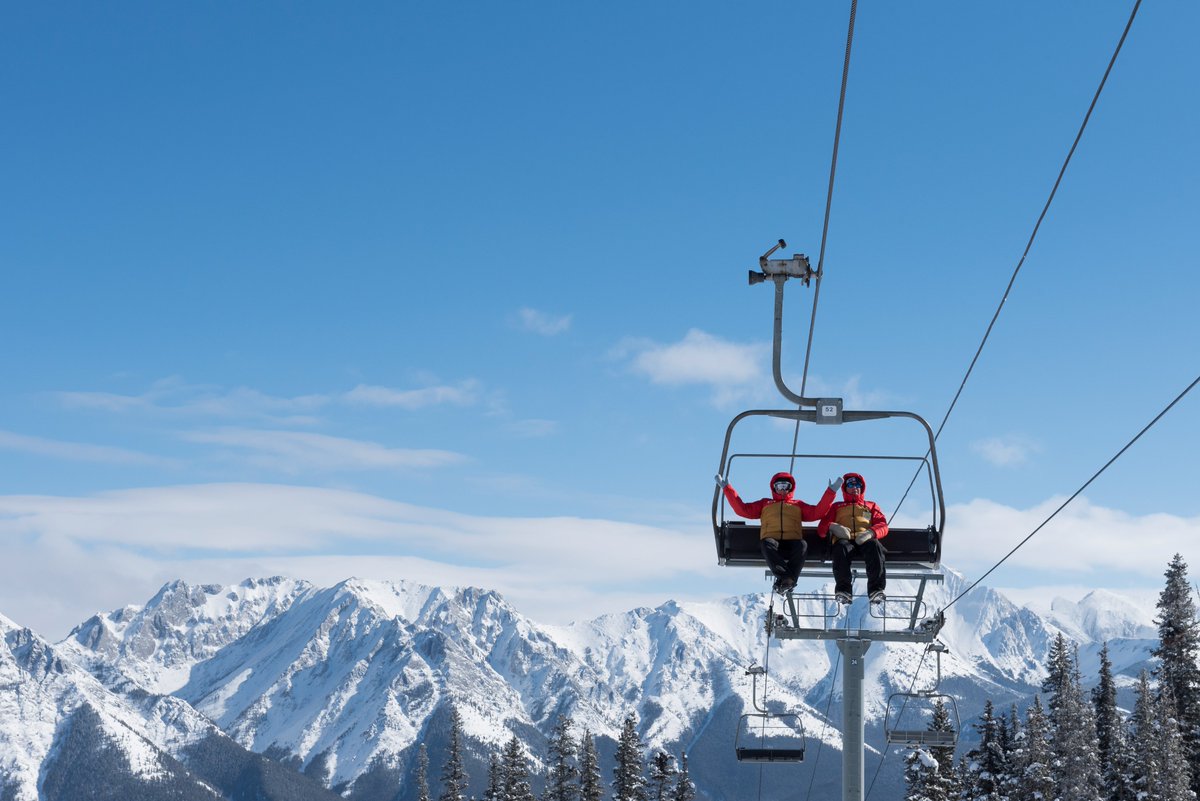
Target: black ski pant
(872, 556)
(784, 557)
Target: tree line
(1079, 746)
(572, 773)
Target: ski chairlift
(903, 726)
(764, 736)
(737, 541)
(919, 549)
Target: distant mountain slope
(66, 736)
(344, 682)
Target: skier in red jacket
(855, 525)
(781, 536)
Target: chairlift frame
(785, 726)
(923, 738)
(737, 542)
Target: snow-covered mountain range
(340, 684)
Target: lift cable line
(1028, 245)
(1076, 494)
(837, 137)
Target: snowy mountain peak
(182, 624)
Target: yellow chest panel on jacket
(854, 517)
(781, 521)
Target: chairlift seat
(905, 548)
(770, 754)
(935, 739)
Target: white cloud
(82, 554)
(78, 451)
(539, 322)
(173, 397)
(464, 394)
(1011, 450)
(732, 369)
(78, 555)
(1096, 538)
(294, 451)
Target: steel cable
(837, 138)
(1029, 244)
(1075, 494)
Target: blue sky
(456, 293)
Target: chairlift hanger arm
(779, 271)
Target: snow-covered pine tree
(1178, 650)
(1007, 727)
(1073, 741)
(495, 780)
(1058, 673)
(1110, 735)
(662, 772)
(963, 778)
(514, 772)
(629, 782)
(919, 767)
(1175, 779)
(454, 775)
(422, 773)
(590, 788)
(1032, 757)
(685, 789)
(561, 784)
(986, 762)
(1144, 765)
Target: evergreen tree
(1007, 786)
(495, 780)
(1058, 672)
(561, 784)
(454, 775)
(1178, 650)
(1144, 763)
(662, 771)
(590, 788)
(629, 783)
(514, 772)
(685, 790)
(1175, 779)
(422, 773)
(963, 778)
(1110, 735)
(1073, 744)
(1033, 769)
(987, 760)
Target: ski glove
(721, 482)
(838, 531)
(864, 537)
(836, 484)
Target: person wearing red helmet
(781, 535)
(855, 525)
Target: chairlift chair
(737, 541)
(764, 736)
(903, 727)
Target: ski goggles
(853, 483)
(782, 486)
